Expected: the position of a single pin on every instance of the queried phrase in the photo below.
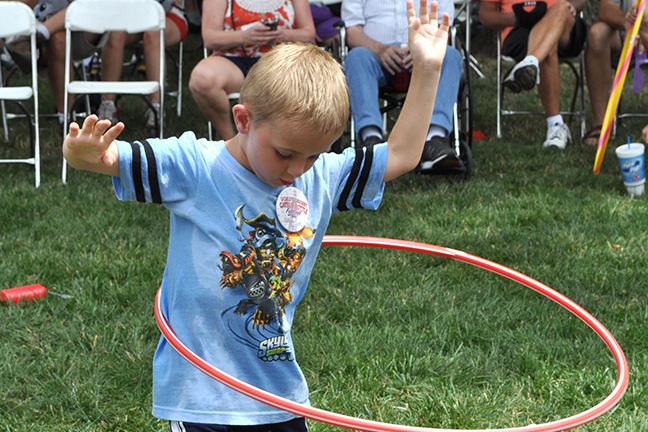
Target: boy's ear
(242, 118)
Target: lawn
(385, 335)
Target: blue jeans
(364, 74)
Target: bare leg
(56, 68)
(152, 51)
(549, 87)
(602, 41)
(552, 29)
(211, 81)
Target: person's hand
(89, 145)
(427, 37)
(260, 34)
(645, 134)
(571, 8)
(392, 58)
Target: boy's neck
(234, 147)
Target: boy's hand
(92, 146)
(427, 37)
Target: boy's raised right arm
(92, 146)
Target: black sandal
(595, 133)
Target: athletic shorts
(294, 425)
(516, 43)
(86, 44)
(243, 63)
(177, 16)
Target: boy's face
(278, 153)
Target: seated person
(51, 44)
(239, 37)
(324, 19)
(604, 45)
(375, 32)
(112, 59)
(536, 34)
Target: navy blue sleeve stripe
(154, 184)
(364, 176)
(137, 173)
(355, 170)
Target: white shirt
(385, 21)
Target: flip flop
(593, 133)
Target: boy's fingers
(423, 14)
(114, 132)
(100, 127)
(89, 123)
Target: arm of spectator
(216, 38)
(391, 56)
(645, 134)
(92, 147)
(631, 16)
(304, 28)
(612, 15)
(579, 5)
(491, 16)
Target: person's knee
(116, 39)
(598, 36)
(151, 38)
(202, 79)
(359, 57)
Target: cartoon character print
(263, 268)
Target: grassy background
(385, 335)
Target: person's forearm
(497, 20)
(305, 34)
(356, 38)
(407, 138)
(610, 14)
(221, 40)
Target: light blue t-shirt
(233, 274)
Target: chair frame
(95, 17)
(18, 20)
(579, 88)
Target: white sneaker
(108, 110)
(150, 116)
(557, 136)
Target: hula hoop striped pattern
(373, 426)
(617, 87)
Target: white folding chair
(97, 16)
(17, 19)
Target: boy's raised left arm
(427, 44)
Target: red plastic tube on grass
(24, 293)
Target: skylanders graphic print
(263, 269)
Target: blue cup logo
(632, 169)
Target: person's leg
(554, 28)
(602, 42)
(211, 81)
(451, 72)
(172, 36)
(112, 59)
(364, 75)
(55, 49)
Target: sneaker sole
(526, 78)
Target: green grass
(385, 335)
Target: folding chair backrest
(99, 16)
(17, 19)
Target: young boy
(248, 216)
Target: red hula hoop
(373, 426)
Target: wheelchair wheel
(465, 169)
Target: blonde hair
(299, 83)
